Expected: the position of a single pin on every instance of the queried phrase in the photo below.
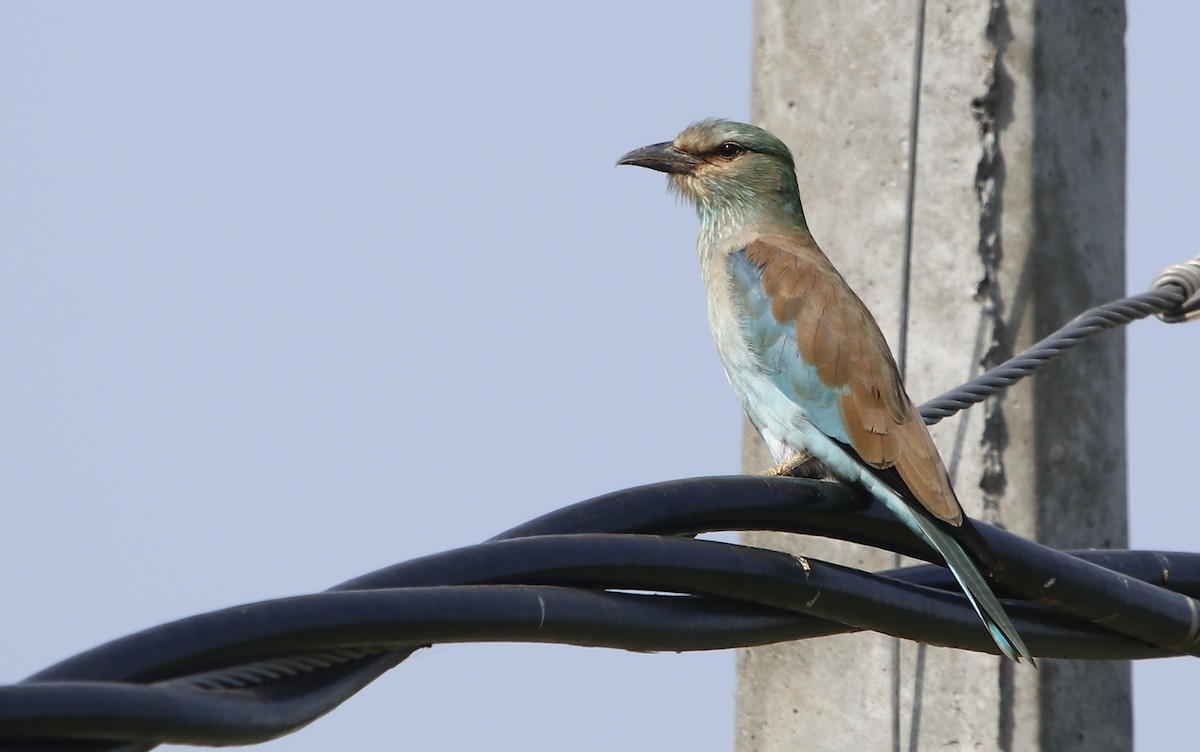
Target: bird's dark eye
(729, 150)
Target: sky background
(293, 291)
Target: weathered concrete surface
(1019, 224)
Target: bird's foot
(803, 465)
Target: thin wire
(914, 120)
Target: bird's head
(721, 166)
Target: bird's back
(814, 342)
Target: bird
(804, 355)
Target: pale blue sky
(293, 291)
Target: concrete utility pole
(1018, 224)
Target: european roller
(804, 355)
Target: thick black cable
(572, 615)
(686, 507)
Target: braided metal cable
(1174, 297)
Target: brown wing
(837, 334)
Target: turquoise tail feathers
(964, 569)
(976, 588)
(961, 566)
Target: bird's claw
(803, 465)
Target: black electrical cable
(205, 648)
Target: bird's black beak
(663, 157)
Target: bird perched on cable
(804, 355)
